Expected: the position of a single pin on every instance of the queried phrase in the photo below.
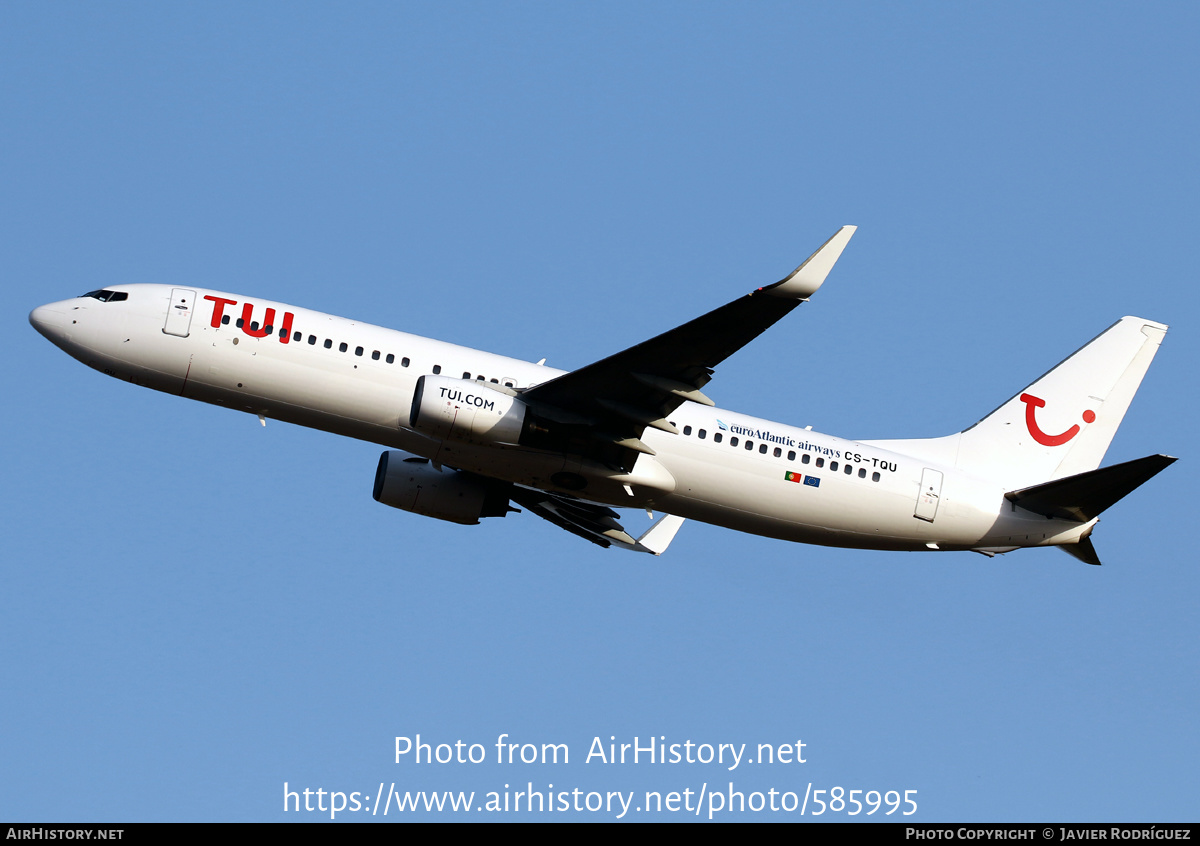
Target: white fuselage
(358, 380)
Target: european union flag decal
(812, 481)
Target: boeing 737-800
(470, 434)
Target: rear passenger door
(929, 495)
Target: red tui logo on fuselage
(250, 326)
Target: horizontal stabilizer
(1083, 550)
(1082, 497)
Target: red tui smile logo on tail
(1031, 403)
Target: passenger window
(480, 379)
(328, 343)
(762, 449)
(437, 369)
(494, 381)
(717, 437)
(358, 350)
(750, 445)
(862, 472)
(253, 325)
(687, 430)
(224, 319)
(849, 470)
(466, 375)
(792, 455)
(297, 337)
(703, 434)
(312, 340)
(343, 346)
(875, 476)
(804, 459)
(833, 465)
(778, 452)
(390, 358)
(403, 361)
(733, 441)
(509, 385)
(821, 463)
(375, 355)
(267, 330)
(240, 323)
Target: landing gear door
(179, 312)
(929, 495)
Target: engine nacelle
(462, 410)
(413, 484)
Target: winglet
(659, 536)
(804, 281)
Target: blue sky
(198, 610)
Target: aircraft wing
(596, 523)
(616, 398)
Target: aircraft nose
(48, 320)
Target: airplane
(471, 434)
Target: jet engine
(413, 484)
(462, 410)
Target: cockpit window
(105, 296)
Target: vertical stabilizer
(1062, 424)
